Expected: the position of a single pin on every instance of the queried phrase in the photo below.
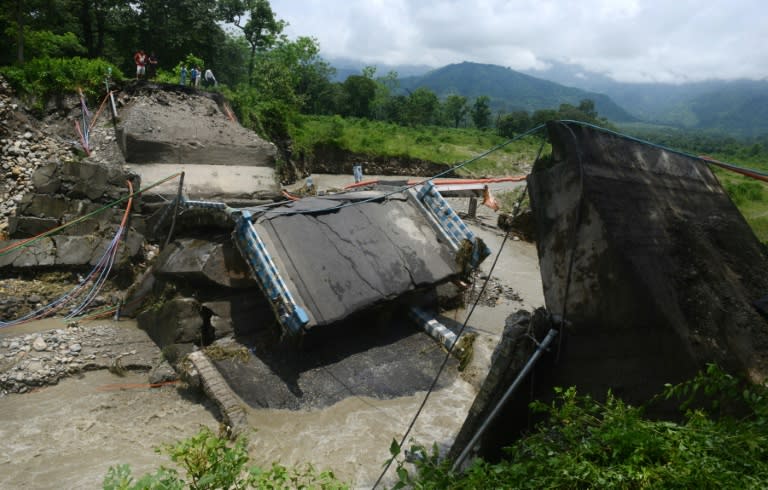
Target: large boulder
(177, 321)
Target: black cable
(576, 227)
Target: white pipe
(435, 329)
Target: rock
(75, 348)
(39, 344)
(176, 321)
(163, 373)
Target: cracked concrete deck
(340, 260)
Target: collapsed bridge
(321, 259)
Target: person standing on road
(199, 76)
(193, 76)
(209, 78)
(183, 80)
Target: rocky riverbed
(32, 359)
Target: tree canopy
(264, 73)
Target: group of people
(146, 67)
(195, 75)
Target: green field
(447, 146)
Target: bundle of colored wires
(91, 285)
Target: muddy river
(68, 435)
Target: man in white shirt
(209, 78)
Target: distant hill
(510, 90)
(346, 67)
(737, 107)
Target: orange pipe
(493, 180)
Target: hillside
(510, 90)
(737, 107)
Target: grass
(449, 146)
(751, 197)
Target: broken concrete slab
(190, 130)
(343, 253)
(643, 251)
(391, 358)
(195, 131)
(212, 262)
(204, 181)
(522, 331)
(66, 250)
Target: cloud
(629, 40)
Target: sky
(671, 41)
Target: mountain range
(736, 107)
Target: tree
(481, 112)
(423, 106)
(455, 109)
(395, 109)
(385, 87)
(513, 123)
(309, 75)
(543, 115)
(587, 106)
(261, 30)
(20, 18)
(359, 93)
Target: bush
(743, 192)
(210, 463)
(43, 78)
(721, 442)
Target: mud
(68, 435)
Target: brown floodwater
(68, 435)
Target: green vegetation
(720, 442)
(444, 145)
(210, 462)
(43, 79)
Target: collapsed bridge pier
(652, 268)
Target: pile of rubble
(34, 360)
(24, 146)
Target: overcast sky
(629, 40)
